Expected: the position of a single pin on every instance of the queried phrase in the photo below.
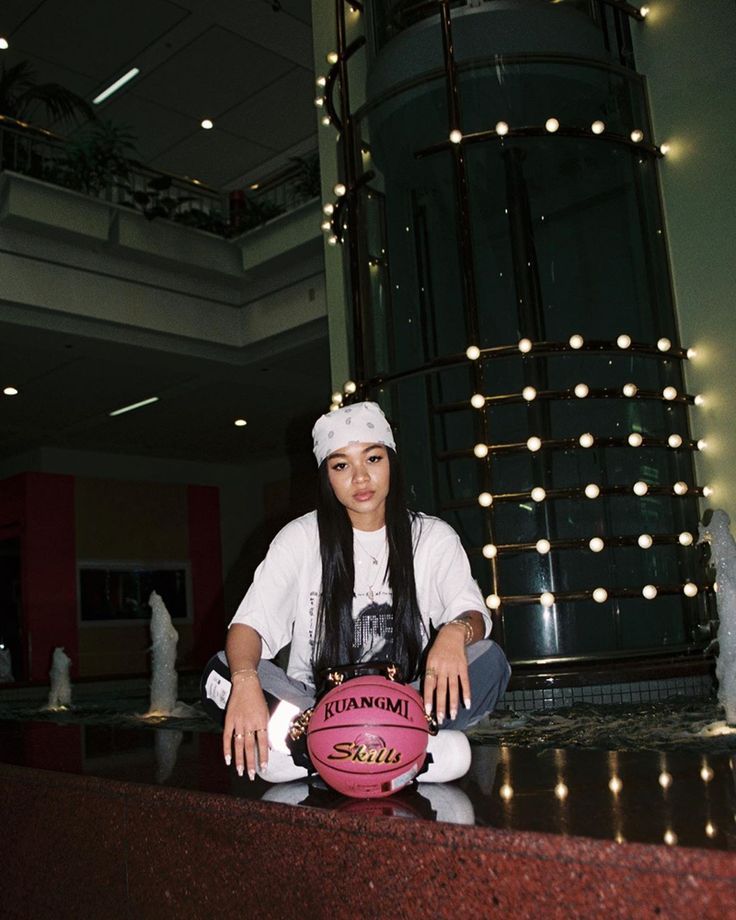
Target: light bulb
(340, 189)
(328, 209)
(456, 136)
(689, 589)
(615, 785)
(707, 491)
(10, 391)
(635, 439)
(321, 81)
(472, 352)
(669, 393)
(637, 135)
(561, 791)
(477, 400)
(319, 102)
(4, 44)
(699, 400)
(640, 488)
(326, 225)
(337, 397)
(592, 490)
(543, 547)
(240, 423)
(332, 240)
(350, 386)
(586, 440)
(485, 499)
(691, 353)
(685, 538)
(552, 125)
(533, 444)
(630, 389)
(702, 444)
(664, 344)
(596, 544)
(546, 599)
(623, 341)
(538, 494)
(493, 601)
(645, 541)
(680, 488)
(525, 346)
(674, 440)
(581, 390)
(326, 120)
(598, 127)
(334, 407)
(529, 393)
(332, 57)
(649, 592)
(644, 10)
(600, 595)
(207, 124)
(665, 779)
(480, 451)
(502, 128)
(576, 341)
(489, 551)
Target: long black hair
(334, 633)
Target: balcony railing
(100, 169)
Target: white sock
(451, 756)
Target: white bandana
(361, 422)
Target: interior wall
(688, 53)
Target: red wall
(205, 555)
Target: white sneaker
(451, 757)
(281, 769)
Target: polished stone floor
(677, 797)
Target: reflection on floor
(683, 797)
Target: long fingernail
(428, 708)
(251, 775)
(240, 771)
(228, 760)
(264, 767)
(440, 717)
(467, 702)
(453, 713)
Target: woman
(361, 578)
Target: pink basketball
(368, 737)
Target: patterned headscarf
(361, 422)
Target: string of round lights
(592, 490)
(594, 544)
(576, 343)
(533, 444)
(600, 595)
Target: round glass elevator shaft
(516, 320)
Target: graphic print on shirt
(373, 631)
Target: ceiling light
(207, 124)
(502, 128)
(118, 84)
(4, 44)
(240, 423)
(132, 406)
(10, 391)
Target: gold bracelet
(250, 674)
(467, 626)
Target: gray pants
(488, 670)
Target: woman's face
(360, 476)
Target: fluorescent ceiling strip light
(114, 87)
(138, 405)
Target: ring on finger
(430, 672)
(238, 735)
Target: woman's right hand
(246, 727)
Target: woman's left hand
(446, 673)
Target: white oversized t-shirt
(282, 603)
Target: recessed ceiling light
(138, 405)
(4, 44)
(207, 124)
(10, 391)
(118, 84)
(240, 423)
